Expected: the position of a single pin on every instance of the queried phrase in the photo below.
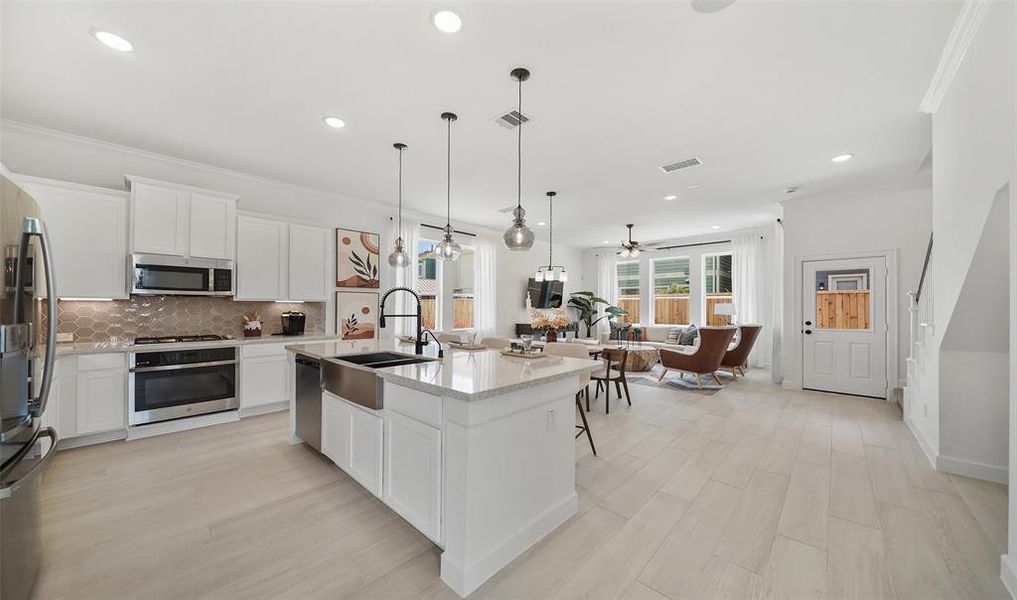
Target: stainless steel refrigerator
(25, 446)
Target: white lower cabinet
(264, 381)
(352, 437)
(413, 472)
(88, 395)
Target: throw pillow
(689, 335)
(673, 335)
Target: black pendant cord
(401, 192)
(519, 149)
(448, 188)
(550, 231)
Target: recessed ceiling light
(447, 21)
(607, 241)
(335, 122)
(715, 227)
(693, 186)
(112, 40)
(670, 197)
(842, 157)
(542, 224)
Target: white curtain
(607, 279)
(777, 304)
(752, 295)
(485, 296)
(405, 277)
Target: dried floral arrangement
(554, 319)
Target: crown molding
(971, 15)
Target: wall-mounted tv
(545, 294)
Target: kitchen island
(475, 450)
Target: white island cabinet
(477, 450)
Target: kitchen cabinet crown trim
(132, 179)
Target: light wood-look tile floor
(753, 492)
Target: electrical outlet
(64, 337)
(552, 423)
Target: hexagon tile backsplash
(172, 315)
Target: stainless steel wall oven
(171, 384)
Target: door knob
(808, 332)
(808, 322)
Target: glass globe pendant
(518, 237)
(449, 249)
(399, 258)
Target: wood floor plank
(816, 444)
(780, 452)
(736, 468)
(630, 496)
(613, 567)
(794, 570)
(851, 494)
(681, 566)
(689, 480)
(846, 437)
(857, 567)
(807, 505)
(749, 534)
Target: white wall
(860, 222)
(44, 153)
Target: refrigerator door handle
(33, 227)
(8, 491)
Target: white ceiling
(764, 92)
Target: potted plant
(585, 304)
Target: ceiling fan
(631, 248)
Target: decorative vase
(552, 336)
(252, 329)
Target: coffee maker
(292, 322)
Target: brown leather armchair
(705, 360)
(736, 358)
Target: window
(671, 291)
(717, 287)
(462, 290)
(628, 290)
(843, 299)
(428, 284)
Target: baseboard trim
(465, 579)
(930, 453)
(1008, 574)
(91, 439)
(790, 384)
(967, 468)
(262, 409)
(144, 431)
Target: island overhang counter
(475, 450)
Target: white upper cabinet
(180, 220)
(261, 259)
(213, 231)
(88, 229)
(280, 261)
(308, 254)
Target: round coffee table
(640, 358)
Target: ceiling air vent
(682, 164)
(511, 119)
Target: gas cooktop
(174, 339)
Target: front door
(844, 326)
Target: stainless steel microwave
(153, 274)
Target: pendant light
(630, 249)
(399, 258)
(519, 237)
(448, 249)
(551, 272)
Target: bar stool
(576, 351)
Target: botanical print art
(357, 261)
(356, 315)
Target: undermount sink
(340, 377)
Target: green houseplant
(586, 305)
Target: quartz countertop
(463, 374)
(69, 348)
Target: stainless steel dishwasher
(308, 401)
